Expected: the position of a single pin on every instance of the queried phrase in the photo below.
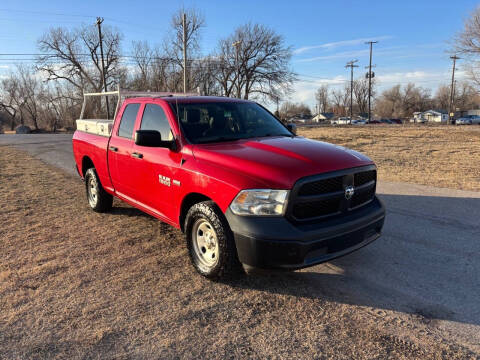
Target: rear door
(157, 169)
(120, 159)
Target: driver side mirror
(152, 138)
(292, 128)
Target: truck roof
(200, 99)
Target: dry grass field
(442, 156)
(77, 284)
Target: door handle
(137, 155)
(113, 148)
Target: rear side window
(127, 122)
(154, 118)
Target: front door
(157, 168)
(120, 153)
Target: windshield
(227, 121)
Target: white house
(437, 116)
(322, 117)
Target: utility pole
(99, 25)
(236, 45)
(351, 65)
(184, 25)
(370, 75)
(452, 90)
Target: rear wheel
(210, 242)
(98, 199)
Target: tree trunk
(35, 122)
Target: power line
(137, 26)
(46, 13)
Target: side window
(154, 118)
(127, 122)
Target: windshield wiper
(271, 135)
(219, 139)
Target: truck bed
(93, 146)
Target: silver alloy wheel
(92, 187)
(205, 243)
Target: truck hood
(278, 162)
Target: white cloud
(4, 66)
(392, 52)
(419, 77)
(339, 44)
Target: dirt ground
(441, 156)
(76, 284)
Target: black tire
(227, 264)
(100, 201)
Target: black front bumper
(275, 242)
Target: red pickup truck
(243, 187)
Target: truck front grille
(322, 186)
(362, 197)
(321, 196)
(364, 177)
(315, 208)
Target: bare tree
(341, 100)
(322, 97)
(61, 107)
(10, 100)
(467, 43)
(389, 103)
(289, 110)
(403, 102)
(20, 96)
(442, 97)
(173, 44)
(258, 65)
(360, 91)
(205, 76)
(466, 97)
(74, 56)
(143, 57)
(31, 90)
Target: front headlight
(260, 202)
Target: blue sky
(413, 35)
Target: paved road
(54, 149)
(424, 268)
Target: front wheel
(210, 242)
(98, 199)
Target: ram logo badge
(349, 191)
(164, 180)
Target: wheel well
(87, 163)
(188, 201)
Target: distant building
(322, 117)
(434, 116)
(296, 120)
(463, 113)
